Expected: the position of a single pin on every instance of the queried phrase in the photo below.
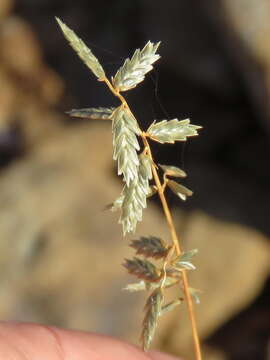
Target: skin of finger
(21, 341)
(156, 355)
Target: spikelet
(169, 131)
(82, 50)
(135, 196)
(133, 71)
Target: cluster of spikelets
(136, 168)
(156, 279)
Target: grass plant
(169, 263)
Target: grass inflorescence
(157, 264)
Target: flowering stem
(178, 249)
(171, 226)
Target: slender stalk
(176, 243)
(116, 93)
(172, 229)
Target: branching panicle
(138, 170)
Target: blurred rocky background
(60, 253)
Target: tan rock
(232, 266)
(54, 199)
(250, 20)
(5, 8)
(28, 86)
(22, 51)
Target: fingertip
(156, 355)
(17, 339)
(98, 347)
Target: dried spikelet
(186, 256)
(152, 308)
(134, 287)
(82, 50)
(116, 205)
(179, 190)
(194, 294)
(170, 306)
(141, 268)
(173, 130)
(173, 171)
(125, 143)
(184, 265)
(135, 195)
(92, 113)
(183, 261)
(133, 71)
(150, 246)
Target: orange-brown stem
(176, 243)
(171, 226)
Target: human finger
(20, 341)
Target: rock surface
(232, 267)
(5, 8)
(29, 89)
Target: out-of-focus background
(60, 253)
